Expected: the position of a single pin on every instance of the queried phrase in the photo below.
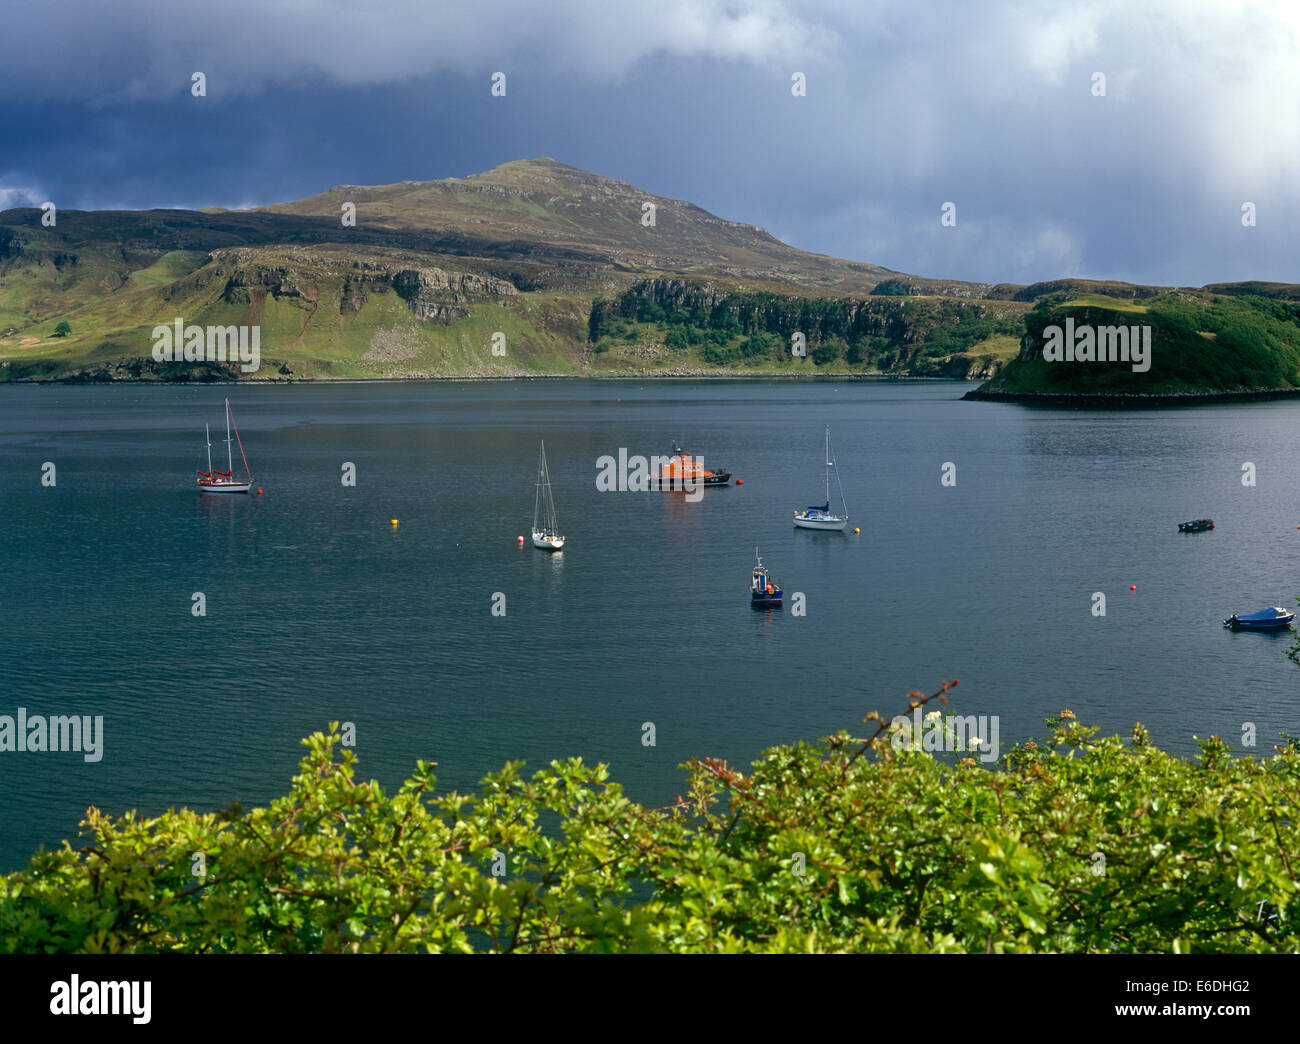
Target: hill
(531, 268)
(1223, 342)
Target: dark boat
(764, 592)
(1200, 525)
(686, 472)
(1274, 618)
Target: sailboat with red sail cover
(212, 481)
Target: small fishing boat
(764, 592)
(212, 481)
(1200, 525)
(1273, 618)
(822, 517)
(546, 533)
(686, 472)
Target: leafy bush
(682, 337)
(828, 351)
(893, 288)
(856, 843)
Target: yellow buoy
(392, 521)
(856, 529)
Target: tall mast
(828, 464)
(537, 503)
(207, 437)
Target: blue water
(318, 609)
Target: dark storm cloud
(989, 106)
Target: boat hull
(836, 525)
(547, 543)
(688, 483)
(224, 487)
(766, 602)
(1259, 625)
(1274, 619)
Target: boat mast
(207, 437)
(828, 465)
(543, 506)
(552, 526)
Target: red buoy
(521, 541)
(259, 492)
(1132, 587)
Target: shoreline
(136, 381)
(1111, 401)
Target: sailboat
(822, 517)
(211, 481)
(546, 533)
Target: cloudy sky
(988, 104)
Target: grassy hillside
(1201, 343)
(555, 268)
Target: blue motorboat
(764, 592)
(1274, 618)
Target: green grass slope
(1201, 344)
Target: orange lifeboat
(684, 471)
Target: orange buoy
(741, 482)
(259, 492)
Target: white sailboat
(821, 517)
(546, 533)
(224, 481)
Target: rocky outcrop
(435, 295)
(432, 293)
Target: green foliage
(1199, 343)
(828, 351)
(893, 288)
(683, 337)
(756, 346)
(1073, 843)
(615, 333)
(647, 311)
(63, 329)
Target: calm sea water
(318, 609)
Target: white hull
(547, 543)
(837, 525)
(224, 487)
